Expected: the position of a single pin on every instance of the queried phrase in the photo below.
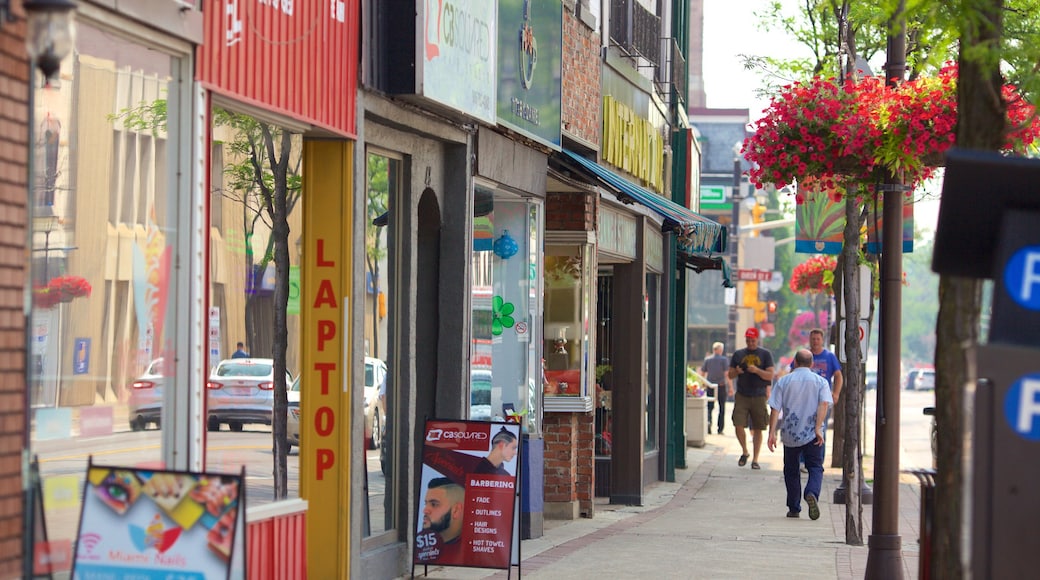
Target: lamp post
(50, 36)
(885, 557)
(734, 240)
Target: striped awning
(703, 241)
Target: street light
(51, 34)
(734, 239)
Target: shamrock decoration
(501, 311)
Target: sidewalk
(717, 521)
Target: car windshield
(244, 370)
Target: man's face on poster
(509, 450)
(437, 510)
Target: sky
(730, 30)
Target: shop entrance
(604, 382)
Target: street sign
(752, 275)
(1021, 276)
(1022, 407)
(713, 194)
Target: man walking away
(802, 398)
(714, 369)
(752, 367)
(241, 352)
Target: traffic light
(758, 213)
(771, 310)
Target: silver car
(292, 419)
(241, 391)
(146, 396)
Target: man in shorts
(752, 367)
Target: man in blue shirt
(802, 398)
(241, 352)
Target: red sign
(468, 494)
(754, 275)
(295, 58)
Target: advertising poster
(468, 494)
(152, 524)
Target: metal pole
(734, 246)
(885, 557)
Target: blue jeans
(813, 456)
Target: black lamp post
(734, 240)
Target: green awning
(702, 242)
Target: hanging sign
(468, 494)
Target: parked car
(146, 397)
(292, 419)
(375, 411)
(925, 380)
(241, 391)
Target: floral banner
(819, 219)
(875, 226)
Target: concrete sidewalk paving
(718, 520)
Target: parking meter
(989, 227)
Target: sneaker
(805, 469)
(814, 506)
(793, 514)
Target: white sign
(1022, 407)
(864, 334)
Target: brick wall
(570, 211)
(569, 458)
(580, 112)
(14, 131)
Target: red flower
(810, 277)
(851, 133)
(69, 287)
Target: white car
(146, 397)
(240, 391)
(375, 413)
(292, 420)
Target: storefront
(115, 196)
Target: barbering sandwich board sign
(157, 524)
(469, 494)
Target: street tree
(262, 173)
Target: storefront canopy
(702, 242)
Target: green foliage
(146, 117)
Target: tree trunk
(852, 391)
(980, 125)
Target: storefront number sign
(468, 496)
(152, 524)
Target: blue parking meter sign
(1022, 277)
(1022, 406)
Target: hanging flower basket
(814, 276)
(43, 298)
(66, 288)
(854, 133)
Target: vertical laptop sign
(467, 497)
(458, 53)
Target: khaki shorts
(756, 407)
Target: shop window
(242, 387)
(506, 375)
(379, 408)
(104, 239)
(568, 284)
(652, 319)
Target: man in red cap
(752, 367)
